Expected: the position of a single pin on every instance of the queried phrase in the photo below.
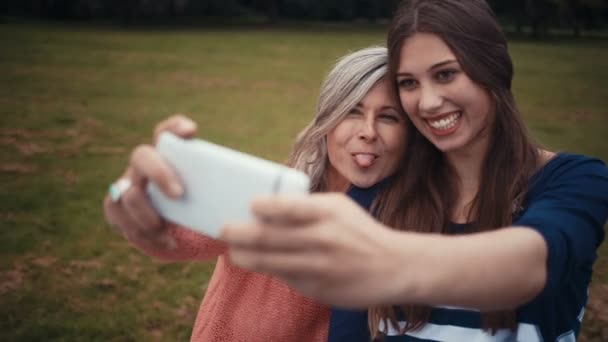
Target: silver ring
(118, 188)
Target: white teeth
(445, 123)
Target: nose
(430, 99)
(368, 130)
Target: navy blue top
(351, 325)
(567, 203)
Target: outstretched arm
(327, 247)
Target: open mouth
(444, 124)
(364, 160)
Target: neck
(467, 164)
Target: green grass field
(75, 99)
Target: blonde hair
(346, 85)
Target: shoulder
(569, 190)
(574, 169)
(569, 194)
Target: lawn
(75, 99)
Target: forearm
(189, 246)
(488, 271)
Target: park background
(83, 81)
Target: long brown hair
(470, 29)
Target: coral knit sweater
(242, 306)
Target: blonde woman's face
(369, 143)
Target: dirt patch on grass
(78, 305)
(187, 308)
(106, 284)
(129, 271)
(17, 132)
(86, 265)
(11, 280)
(22, 146)
(154, 328)
(25, 269)
(25, 148)
(70, 177)
(19, 168)
(595, 322)
(156, 333)
(44, 261)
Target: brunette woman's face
(445, 105)
(369, 143)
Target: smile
(445, 124)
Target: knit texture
(244, 306)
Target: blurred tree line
(535, 15)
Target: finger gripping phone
(219, 183)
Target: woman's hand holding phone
(131, 212)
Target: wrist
(414, 261)
(396, 268)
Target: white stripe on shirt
(567, 337)
(451, 333)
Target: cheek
(335, 142)
(394, 139)
(482, 104)
(396, 152)
(408, 103)
(403, 100)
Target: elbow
(537, 280)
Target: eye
(389, 117)
(407, 83)
(446, 75)
(354, 112)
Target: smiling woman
(446, 106)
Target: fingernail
(187, 125)
(176, 189)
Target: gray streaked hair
(346, 85)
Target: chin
(366, 182)
(448, 145)
(445, 148)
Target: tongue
(364, 160)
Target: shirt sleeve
(570, 212)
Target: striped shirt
(567, 203)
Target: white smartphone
(219, 183)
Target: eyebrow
(434, 66)
(381, 108)
(389, 107)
